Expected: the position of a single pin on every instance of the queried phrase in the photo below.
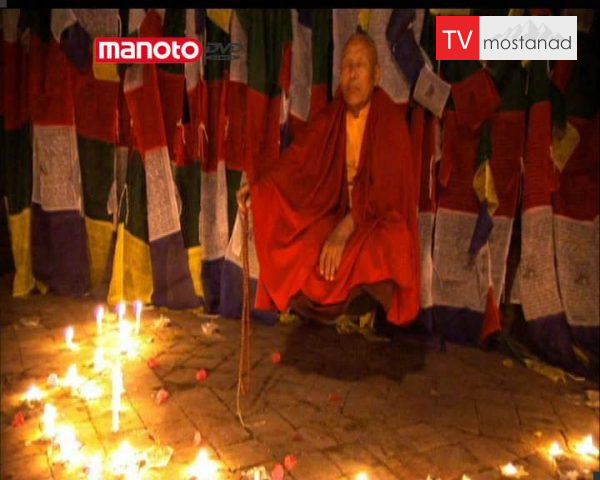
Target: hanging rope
(245, 346)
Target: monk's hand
(243, 198)
(331, 254)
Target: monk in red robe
(335, 221)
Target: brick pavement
(341, 405)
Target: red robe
(298, 203)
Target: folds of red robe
(59, 243)
(296, 206)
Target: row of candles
(125, 460)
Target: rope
(245, 350)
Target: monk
(335, 220)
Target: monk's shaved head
(366, 40)
(359, 71)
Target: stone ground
(340, 404)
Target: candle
(138, 316)
(125, 340)
(99, 363)
(256, 474)
(362, 476)
(90, 391)
(510, 470)
(555, 450)
(95, 467)
(99, 319)
(34, 394)
(69, 334)
(587, 447)
(117, 386)
(124, 461)
(49, 420)
(68, 444)
(203, 468)
(72, 379)
(121, 311)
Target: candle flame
(34, 394)
(510, 470)
(203, 468)
(362, 476)
(73, 379)
(124, 461)
(555, 450)
(90, 390)
(587, 447)
(69, 334)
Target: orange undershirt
(355, 129)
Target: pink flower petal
(276, 357)
(153, 363)
(277, 472)
(162, 396)
(334, 397)
(18, 420)
(290, 461)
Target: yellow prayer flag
(563, 148)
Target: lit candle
(34, 394)
(72, 379)
(49, 420)
(68, 444)
(555, 450)
(69, 334)
(99, 363)
(138, 316)
(117, 383)
(121, 311)
(95, 467)
(203, 468)
(90, 391)
(123, 461)
(125, 340)
(510, 470)
(587, 447)
(99, 319)
(362, 476)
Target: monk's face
(359, 74)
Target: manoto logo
(506, 38)
(147, 50)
